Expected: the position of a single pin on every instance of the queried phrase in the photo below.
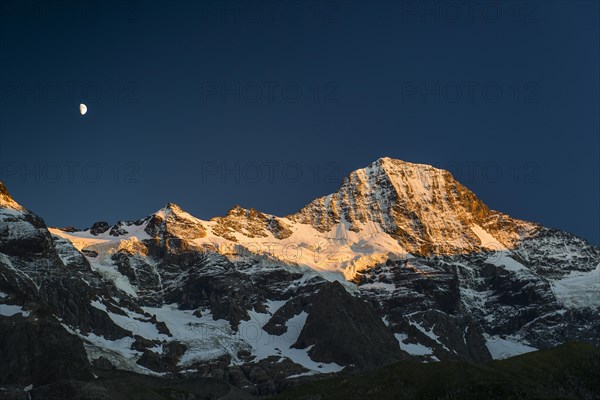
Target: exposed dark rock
(102, 363)
(117, 231)
(251, 223)
(99, 227)
(141, 343)
(39, 351)
(69, 229)
(229, 296)
(31, 238)
(346, 330)
(277, 323)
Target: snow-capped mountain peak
(173, 222)
(424, 208)
(388, 207)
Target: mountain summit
(424, 208)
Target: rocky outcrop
(99, 227)
(166, 362)
(40, 351)
(172, 227)
(250, 223)
(228, 296)
(345, 330)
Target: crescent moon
(82, 109)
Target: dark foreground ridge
(569, 371)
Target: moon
(82, 109)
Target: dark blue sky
(269, 104)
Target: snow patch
(414, 349)
(8, 310)
(578, 289)
(132, 322)
(506, 347)
(265, 345)
(502, 259)
(487, 240)
(204, 337)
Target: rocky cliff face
(424, 208)
(402, 262)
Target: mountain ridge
(403, 256)
(324, 215)
(429, 245)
